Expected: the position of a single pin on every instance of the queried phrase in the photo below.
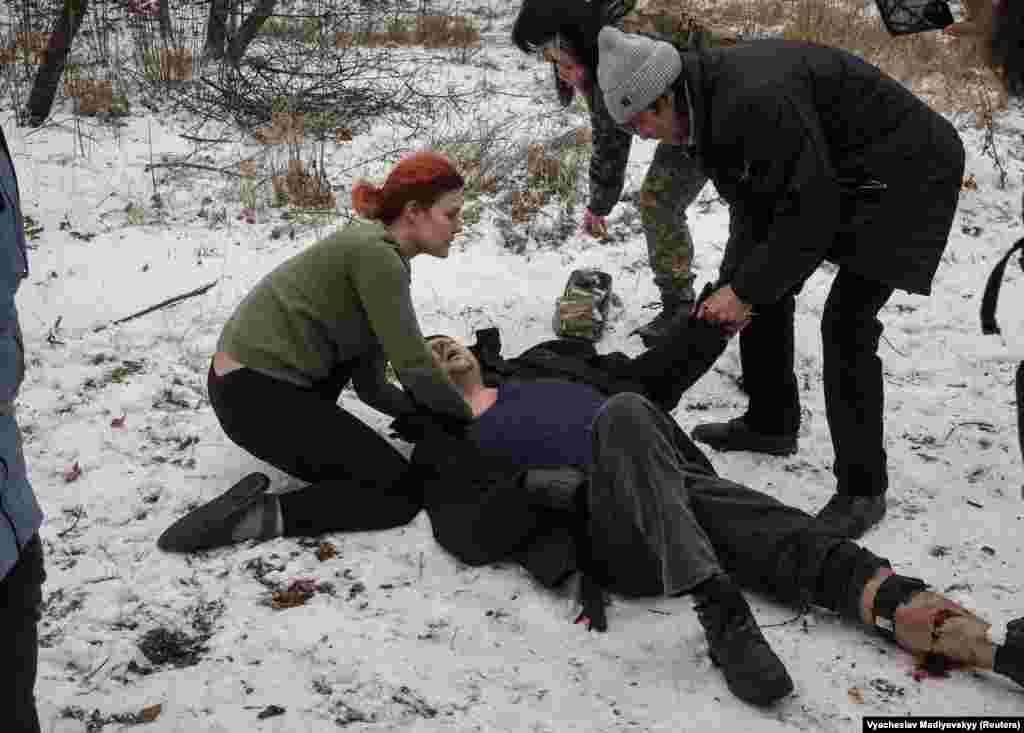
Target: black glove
(555, 487)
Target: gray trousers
(639, 502)
(659, 524)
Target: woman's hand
(594, 225)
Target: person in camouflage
(565, 32)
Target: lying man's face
(454, 359)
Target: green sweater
(343, 302)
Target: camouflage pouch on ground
(582, 310)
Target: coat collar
(692, 78)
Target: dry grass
(302, 189)
(446, 31)
(93, 96)
(430, 31)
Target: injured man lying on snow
(574, 468)
(585, 474)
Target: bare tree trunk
(44, 89)
(166, 31)
(236, 49)
(217, 29)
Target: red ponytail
(423, 177)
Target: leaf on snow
(73, 473)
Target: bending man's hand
(594, 225)
(726, 309)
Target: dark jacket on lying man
(640, 511)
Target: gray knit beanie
(633, 71)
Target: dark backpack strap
(991, 295)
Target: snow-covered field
(120, 440)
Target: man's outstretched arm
(664, 373)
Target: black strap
(894, 591)
(991, 295)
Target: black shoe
(211, 524)
(654, 332)
(851, 516)
(752, 671)
(736, 435)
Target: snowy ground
(120, 441)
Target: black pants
(854, 394)
(357, 480)
(659, 524)
(21, 598)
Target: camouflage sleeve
(609, 157)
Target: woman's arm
(381, 281)
(371, 384)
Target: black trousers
(1020, 407)
(854, 393)
(21, 598)
(357, 480)
(659, 524)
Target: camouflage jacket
(668, 21)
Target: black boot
(851, 516)
(753, 672)
(737, 435)
(654, 331)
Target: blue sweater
(20, 516)
(540, 423)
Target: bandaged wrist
(894, 591)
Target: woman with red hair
(338, 312)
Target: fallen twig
(205, 139)
(162, 304)
(225, 171)
(803, 611)
(78, 511)
(51, 337)
(886, 339)
(986, 426)
(101, 666)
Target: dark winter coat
(820, 156)
(478, 507)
